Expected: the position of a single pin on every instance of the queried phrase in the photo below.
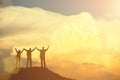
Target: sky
(98, 8)
(83, 36)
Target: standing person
(42, 56)
(29, 58)
(18, 57)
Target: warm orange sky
(88, 44)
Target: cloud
(84, 71)
(24, 19)
(4, 54)
(85, 64)
(8, 31)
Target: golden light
(116, 9)
(78, 34)
(118, 6)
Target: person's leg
(19, 62)
(27, 61)
(16, 62)
(44, 62)
(41, 62)
(30, 62)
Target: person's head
(43, 47)
(29, 48)
(18, 50)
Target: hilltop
(35, 73)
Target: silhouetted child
(18, 57)
(29, 58)
(42, 56)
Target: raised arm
(47, 48)
(37, 49)
(33, 49)
(24, 49)
(15, 49)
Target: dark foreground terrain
(35, 73)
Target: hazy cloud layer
(12, 30)
(85, 71)
(4, 54)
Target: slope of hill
(35, 73)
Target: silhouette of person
(18, 57)
(29, 58)
(42, 56)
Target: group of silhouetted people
(29, 56)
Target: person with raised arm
(29, 56)
(18, 57)
(42, 56)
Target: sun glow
(117, 6)
(76, 35)
(116, 9)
